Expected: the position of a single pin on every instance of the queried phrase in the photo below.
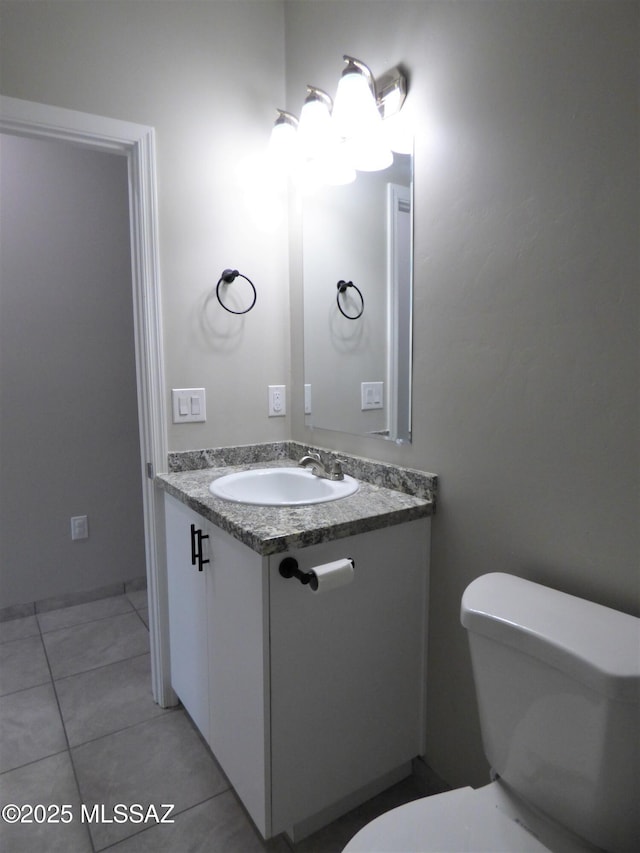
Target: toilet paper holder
(289, 569)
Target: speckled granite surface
(386, 496)
(409, 480)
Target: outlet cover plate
(277, 401)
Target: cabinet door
(347, 671)
(237, 604)
(187, 613)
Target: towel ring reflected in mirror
(343, 286)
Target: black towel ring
(342, 287)
(226, 278)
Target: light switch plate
(79, 527)
(189, 405)
(372, 394)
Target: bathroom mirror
(357, 369)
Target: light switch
(79, 527)
(189, 405)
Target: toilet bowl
(558, 685)
(484, 820)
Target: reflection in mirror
(357, 372)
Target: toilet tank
(558, 686)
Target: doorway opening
(137, 144)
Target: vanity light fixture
(333, 140)
(391, 91)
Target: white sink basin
(281, 487)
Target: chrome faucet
(317, 468)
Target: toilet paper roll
(332, 575)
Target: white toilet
(558, 686)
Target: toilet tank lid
(594, 644)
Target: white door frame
(137, 143)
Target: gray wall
(526, 348)
(208, 77)
(68, 408)
(526, 259)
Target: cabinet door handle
(194, 549)
(194, 552)
(201, 562)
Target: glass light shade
(315, 129)
(358, 121)
(355, 111)
(283, 143)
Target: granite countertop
(272, 530)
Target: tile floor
(78, 726)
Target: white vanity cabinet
(314, 700)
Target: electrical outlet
(307, 399)
(277, 401)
